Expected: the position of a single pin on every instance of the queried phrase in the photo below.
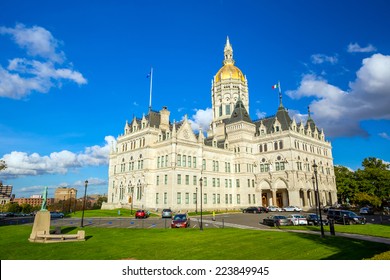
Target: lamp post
(318, 199)
(70, 202)
(201, 214)
(132, 198)
(315, 194)
(196, 201)
(75, 202)
(85, 195)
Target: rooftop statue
(44, 201)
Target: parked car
(297, 219)
(366, 211)
(56, 215)
(275, 220)
(7, 214)
(314, 219)
(141, 214)
(345, 217)
(180, 221)
(255, 209)
(263, 209)
(292, 209)
(166, 213)
(272, 208)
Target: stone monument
(41, 228)
(42, 219)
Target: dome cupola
(229, 70)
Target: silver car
(166, 213)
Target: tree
(366, 199)
(13, 207)
(370, 185)
(99, 202)
(3, 165)
(374, 179)
(346, 183)
(26, 208)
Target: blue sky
(73, 72)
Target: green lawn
(187, 244)
(367, 229)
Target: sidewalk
(383, 240)
(341, 234)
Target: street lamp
(201, 199)
(315, 194)
(85, 195)
(318, 198)
(196, 201)
(70, 202)
(75, 202)
(132, 198)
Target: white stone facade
(157, 164)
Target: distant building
(33, 201)
(64, 194)
(158, 164)
(5, 193)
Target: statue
(44, 201)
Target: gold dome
(229, 71)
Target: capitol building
(238, 162)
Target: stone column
(305, 198)
(273, 193)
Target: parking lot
(237, 220)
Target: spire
(310, 122)
(228, 53)
(240, 113)
(280, 95)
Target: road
(237, 220)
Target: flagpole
(280, 94)
(151, 87)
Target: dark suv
(345, 217)
(255, 209)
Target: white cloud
(260, 114)
(25, 75)
(201, 120)
(94, 185)
(355, 47)
(23, 164)
(322, 58)
(340, 112)
(384, 135)
(91, 181)
(36, 40)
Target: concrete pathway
(341, 234)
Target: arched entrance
(264, 199)
(279, 199)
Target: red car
(180, 221)
(141, 214)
